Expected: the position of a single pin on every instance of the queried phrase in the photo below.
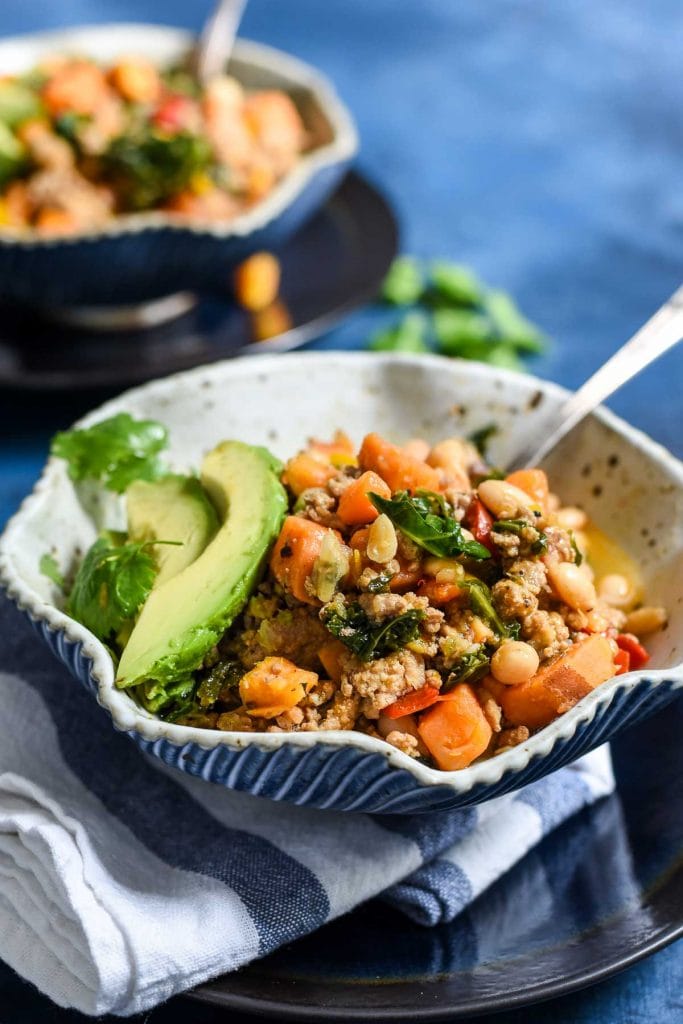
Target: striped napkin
(123, 882)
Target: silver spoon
(217, 39)
(661, 332)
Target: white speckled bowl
(628, 484)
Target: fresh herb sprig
(424, 519)
(115, 451)
(112, 583)
(449, 310)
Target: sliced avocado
(12, 154)
(174, 508)
(185, 617)
(18, 103)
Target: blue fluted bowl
(615, 472)
(140, 257)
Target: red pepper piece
(418, 700)
(637, 653)
(622, 659)
(479, 522)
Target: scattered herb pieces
(440, 534)
(449, 310)
(48, 567)
(404, 283)
(408, 335)
(116, 451)
(455, 284)
(511, 325)
(367, 639)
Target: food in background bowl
(411, 593)
(138, 256)
(81, 142)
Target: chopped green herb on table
(448, 310)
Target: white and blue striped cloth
(123, 882)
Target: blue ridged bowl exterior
(146, 263)
(349, 779)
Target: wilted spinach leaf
(367, 639)
(436, 532)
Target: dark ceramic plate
(332, 265)
(598, 895)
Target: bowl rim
(341, 149)
(129, 717)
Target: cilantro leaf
(437, 533)
(115, 451)
(511, 325)
(461, 331)
(455, 284)
(406, 336)
(404, 282)
(48, 567)
(113, 581)
(367, 639)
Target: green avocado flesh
(183, 618)
(172, 509)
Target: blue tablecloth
(540, 143)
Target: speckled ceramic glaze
(618, 475)
(139, 257)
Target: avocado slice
(18, 103)
(183, 618)
(174, 508)
(12, 155)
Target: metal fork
(661, 332)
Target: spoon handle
(217, 38)
(661, 332)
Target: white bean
(514, 662)
(572, 586)
(616, 590)
(571, 518)
(504, 499)
(644, 621)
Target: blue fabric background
(540, 142)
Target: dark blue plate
(599, 894)
(333, 264)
